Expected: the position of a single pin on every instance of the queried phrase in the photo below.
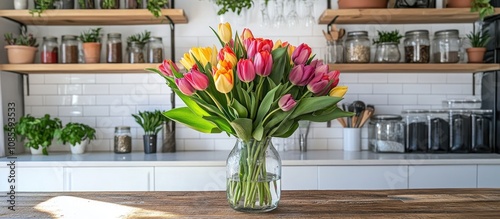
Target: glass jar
(114, 48)
(446, 46)
(123, 140)
(386, 133)
(417, 130)
(334, 52)
(154, 50)
(417, 46)
(135, 52)
(439, 131)
(133, 4)
(460, 131)
(50, 50)
(482, 131)
(69, 49)
(357, 47)
(387, 52)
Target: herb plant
(388, 37)
(234, 6)
(478, 39)
(91, 36)
(483, 7)
(75, 133)
(141, 38)
(24, 39)
(150, 121)
(108, 4)
(86, 4)
(41, 6)
(155, 6)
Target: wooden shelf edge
(414, 68)
(122, 68)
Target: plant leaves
(242, 111)
(337, 113)
(185, 116)
(311, 104)
(221, 123)
(265, 105)
(243, 128)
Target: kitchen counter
(435, 203)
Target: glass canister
(386, 133)
(482, 131)
(50, 50)
(439, 131)
(154, 50)
(417, 46)
(114, 48)
(357, 47)
(460, 131)
(135, 52)
(123, 140)
(69, 49)
(417, 134)
(387, 52)
(334, 52)
(446, 46)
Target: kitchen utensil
(350, 108)
(359, 107)
(342, 122)
(370, 109)
(328, 37)
(341, 33)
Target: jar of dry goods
(460, 130)
(50, 50)
(69, 49)
(357, 47)
(123, 140)
(135, 52)
(482, 131)
(154, 50)
(386, 133)
(417, 130)
(417, 46)
(387, 52)
(114, 48)
(446, 46)
(439, 131)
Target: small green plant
(234, 6)
(75, 133)
(86, 4)
(483, 7)
(150, 121)
(478, 39)
(41, 6)
(141, 38)
(24, 39)
(108, 4)
(388, 37)
(155, 6)
(91, 36)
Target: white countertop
(218, 158)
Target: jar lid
(385, 117)
(69, 37)
(462, 101)
(416, 32)
(50, 38)
(153, 38)
(438, 111)
(357, 33)
(482, 111)
(415, 111)
(122, 128)
(452, 111)
(114, 35)
(446, 32)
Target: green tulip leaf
(221, 123)
(242, 111)
(311, 104)
(337, 113)
(185, 116)
(265, 105)
(243, 128)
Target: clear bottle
(417, 130)
(357, 47)
(154, 50)
(334, 52)
(439, 131)
(114, 48)
(135, 52)
(123, 140)
(386, 133)
(69, 49)
(446, 46)
(50, 50)
(387, 52)
(417, 46)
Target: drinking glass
(279, 19)
(292, 18)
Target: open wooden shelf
(78, 68)
(414, 68)
(95, 17)
(400, 16)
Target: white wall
(107, 100)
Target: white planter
(20, 4)
(38, 151)
(79, 148)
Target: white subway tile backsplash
(96, 110)
(348, 78)
(142, 89)
(459, 78)
(123, 110)
(402, 99)
(159, 99)
(224, 144)
(184, 132)
(448, 89)
(42, 110)
(95, 89)
(82, 78)
(122, 89)
(372, 78)
(109, 100)
(387, 88)
(359, 88)
(108, 78)
(57, 100)
(43, 89)
(199, 144)
(69, 89)
(416, 88)
(135, 78)
(326, 133)
(90, 121)
(57, 79)
(135, 99)
(33, 100)
(100, 145)
(386, 109)
(432, 78)
(70, 111)
(36, 79)
(374, 99)
(107, 121)
(402, 78)
(83, 100)
(431, 99)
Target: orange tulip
(227, 54)
(224, 80)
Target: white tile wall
(107, 100)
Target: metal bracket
(331, 22)
(328, 4)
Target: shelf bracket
(15, 21)
(328, 4)
(331, 22)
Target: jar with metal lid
(357, 47)
(417, 46)
(135, 52)
(123, 140)
(439, 131)
(69, 49)
(462, 104)
(114, 48)
(460, 131)
(417, 130)
(446, 46)
(482, 131)
(154, 50)
(386, 133)
(50, 50)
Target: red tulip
(166, 68)
(184, 86)
(198, 80)
(301, 54)
(301, 75)
(286, 102)
(264, 44)
(263, 63)
(246, 70)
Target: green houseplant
(38, 132)
(21, 49)
(135, 47)
(78, 135)
(41, 6)
(155, 6)
(86, 4)
(92, 45)
(151, 122)
(478, 41)
(110, 4)
(483, 7)
(387, 46)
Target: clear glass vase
(253, 172)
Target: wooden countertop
(435, 203)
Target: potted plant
(151, 122)
(110, 4)
(86, 4)
(21, 50)
(78, 135)
(92, 45)
(482, 6)
(155, 6)
(135, 47)
(388, 46)
(38, 132)
(478, 41)
(362, 4)
(41, 6)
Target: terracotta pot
(92, 52)
(20, 54)
(362, 4)
(476, 54)
(458, 3)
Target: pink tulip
(198, 80)
(246, 70)
(184, 86)
(316, 63)
(286, 102)
(319, 83)
(301, 75)
(263, 63)
(166, 68)
(301, 54)
(320, 68)
(251, 47)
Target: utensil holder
(352, 139)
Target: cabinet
(34, 179)
(437, 176)
(190, 178)
(488, 176)
(108, 179)
(363, 177)
(299, 178)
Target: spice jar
(135, 52)
(417, 139)
(482, 131)
(154, 50)
(446, 46)
(417, 46)
(114, 48)
(123, 140)
(357, 47)
(69, 49)
(460, 131)
(386, 133)
(50, 50)
(387, 52)
(439, 131)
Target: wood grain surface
(436, 203)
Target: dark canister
(482, 131)
(417, 134)
(460, 131)
(439, 131)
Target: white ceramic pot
(79, 148)
(20, 4)
(38, 151)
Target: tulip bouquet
(253, 89)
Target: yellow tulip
(202, 54)
(225, 32)
(224, 80)
(277, 44)
(338, 91)
(213, 60)
(187, 61)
